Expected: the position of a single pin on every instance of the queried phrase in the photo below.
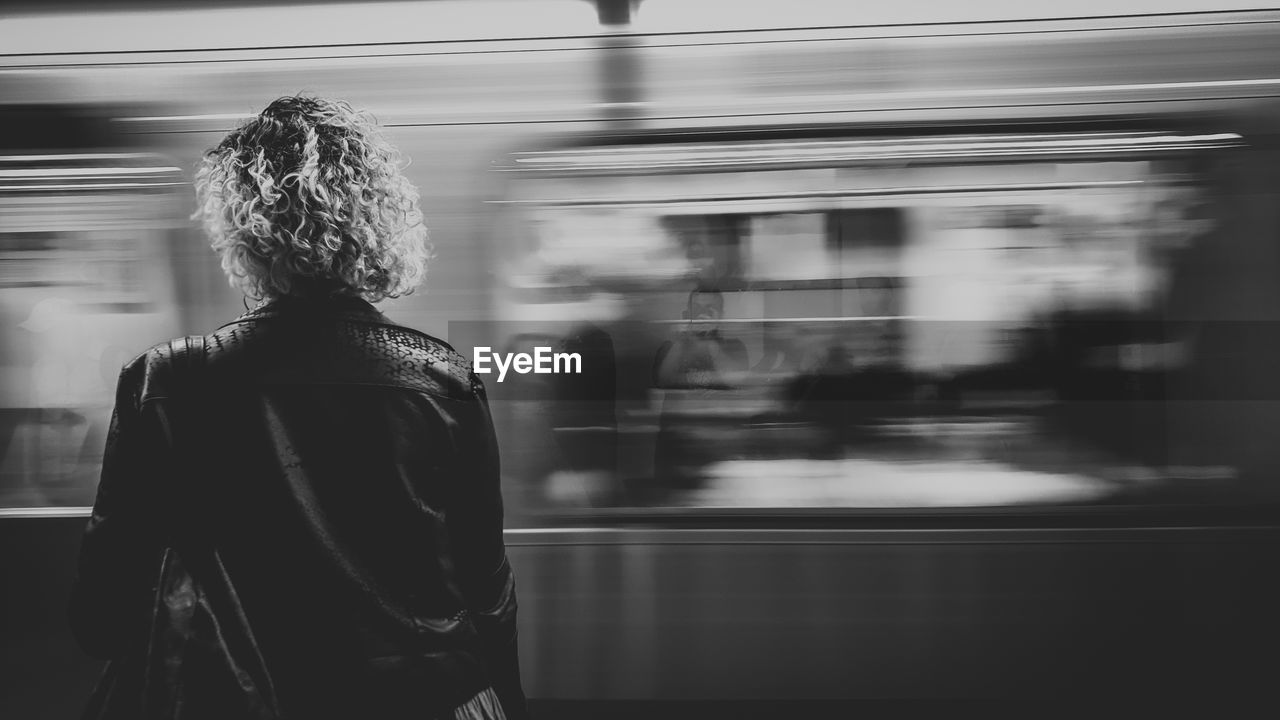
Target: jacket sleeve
(480, 557)
(122, 545)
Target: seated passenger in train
(299, 514)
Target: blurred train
(974, 327)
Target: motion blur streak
(928, 352)
(313, 26)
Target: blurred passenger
(585, 418)
(62, 381)
(299, 514)
(701, 357)
(693, 368)
(828, 398)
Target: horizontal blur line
(1011, 21)
(95, 186)
(977, 93)
(443, 123)
(1188, 85)
(793, 152)
(992, 33)
(304, 58)
(832, 194)
(850, 318)
(835, 156)
(260, 48)
(593, 47)
(76, 156)
(748, 536)
(50, 512)
(547, 531)
(1016, 91)
(745, 31)
(1030, 534)
(241, 117)
(846, 111)
(187, 118)
(85, 172)
(817, 531)
(975, 140)
(595, 120)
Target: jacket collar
(346, 306)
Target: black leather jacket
(347, 475)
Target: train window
(711, 243)
(734, 251)
(1004, 320)
(789, 246)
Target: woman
(299, 515)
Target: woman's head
(308, 195)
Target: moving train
(999, 300)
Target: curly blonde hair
(309, 196)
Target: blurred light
(52, 175)
(861, 482)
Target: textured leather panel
(354, 351)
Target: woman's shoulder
(153, 372)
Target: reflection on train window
(941, 335)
